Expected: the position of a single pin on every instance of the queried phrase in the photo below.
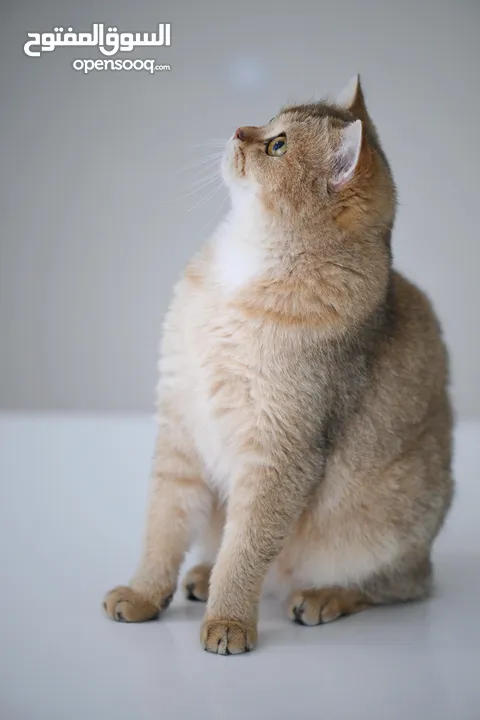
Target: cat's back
(407, 398)
(415, 344)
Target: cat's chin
(241, 188)
(231, 177)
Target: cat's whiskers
(205, 178)
(213, 219)
(209, 168)
(206, 198)
(212, 159)
(194, 191)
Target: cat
(304, 420)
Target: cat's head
(319, 161)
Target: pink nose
(239, 134)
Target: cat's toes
(196, 581)
(127, 605)
(227, 637)
(313, 607)
(316, 607)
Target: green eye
(277, 146)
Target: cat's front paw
(227, 637)
(127, 605)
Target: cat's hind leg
(407, 581)
(320, 606)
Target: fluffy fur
(304, 425)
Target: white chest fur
(223, 347)
(237, 263)
(241, 245)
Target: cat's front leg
(264, 503)
(179, 504)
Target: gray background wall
(94, 229)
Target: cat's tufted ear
(347, 156)
(352, 99)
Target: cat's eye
(277, 146)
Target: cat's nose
(239, 134)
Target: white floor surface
(72, 502)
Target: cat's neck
(245, 244)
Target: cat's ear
(347, 156)
(352, 99)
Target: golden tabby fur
(304, 425)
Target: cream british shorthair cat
(304, 424)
